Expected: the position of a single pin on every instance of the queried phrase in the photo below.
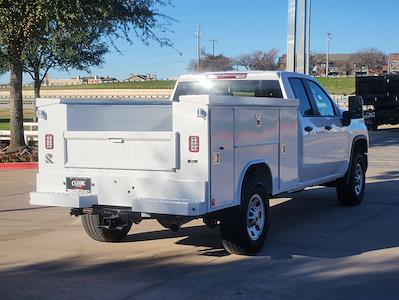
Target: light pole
(329, 38)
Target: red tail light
(49, 141)
(193, 143)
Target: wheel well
(360, 146)
(262, 172)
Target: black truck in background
(381, 99)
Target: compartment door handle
(117, 140)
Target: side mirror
(355, 110)
(346, 118)
(356, 107)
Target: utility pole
(299, 22)
(292, 35)
(213, 46)
(329, 38)
(198, 36)
(308, 17)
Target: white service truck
(218, 150)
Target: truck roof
(247, 75)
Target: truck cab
(324, 142)
(218, 150)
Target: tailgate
(120, 135)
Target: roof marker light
(227, 76)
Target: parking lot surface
(316, 249)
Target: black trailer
(381, 98)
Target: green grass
(156, 84)
(4, 124)
(5, 118)
(338, 85)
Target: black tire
(374, 127)
(174, 226)
(234, 228)
(91, 224)
(352, 192)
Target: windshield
(244, 88)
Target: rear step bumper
(63, 199)
(143, 205)
(178, 207)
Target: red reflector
(193, 143)
(227, 76)
(49, 140)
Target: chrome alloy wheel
(358, 179)
(255, 217)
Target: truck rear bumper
(63, 199)
(169, 207)
(144, 205)
(141, 194)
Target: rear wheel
(244, 229)
(94, 227)
(170, 223)
(352, 192)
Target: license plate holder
(82, 184)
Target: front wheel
(244, 229)
(352, 192)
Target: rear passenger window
(300, 93)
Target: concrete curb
(19, 166)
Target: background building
(140, 77)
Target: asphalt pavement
(317, 249)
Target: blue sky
(245, 26)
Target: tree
(370, 58)
(26, 22)
(64, 51)
(348, 67)
(316, 60)
(20, 23)
(3, 63)
(245, 60)
(212, 63)
(259, 60)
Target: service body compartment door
(289, 177)
(151, 151)
(222, 158)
